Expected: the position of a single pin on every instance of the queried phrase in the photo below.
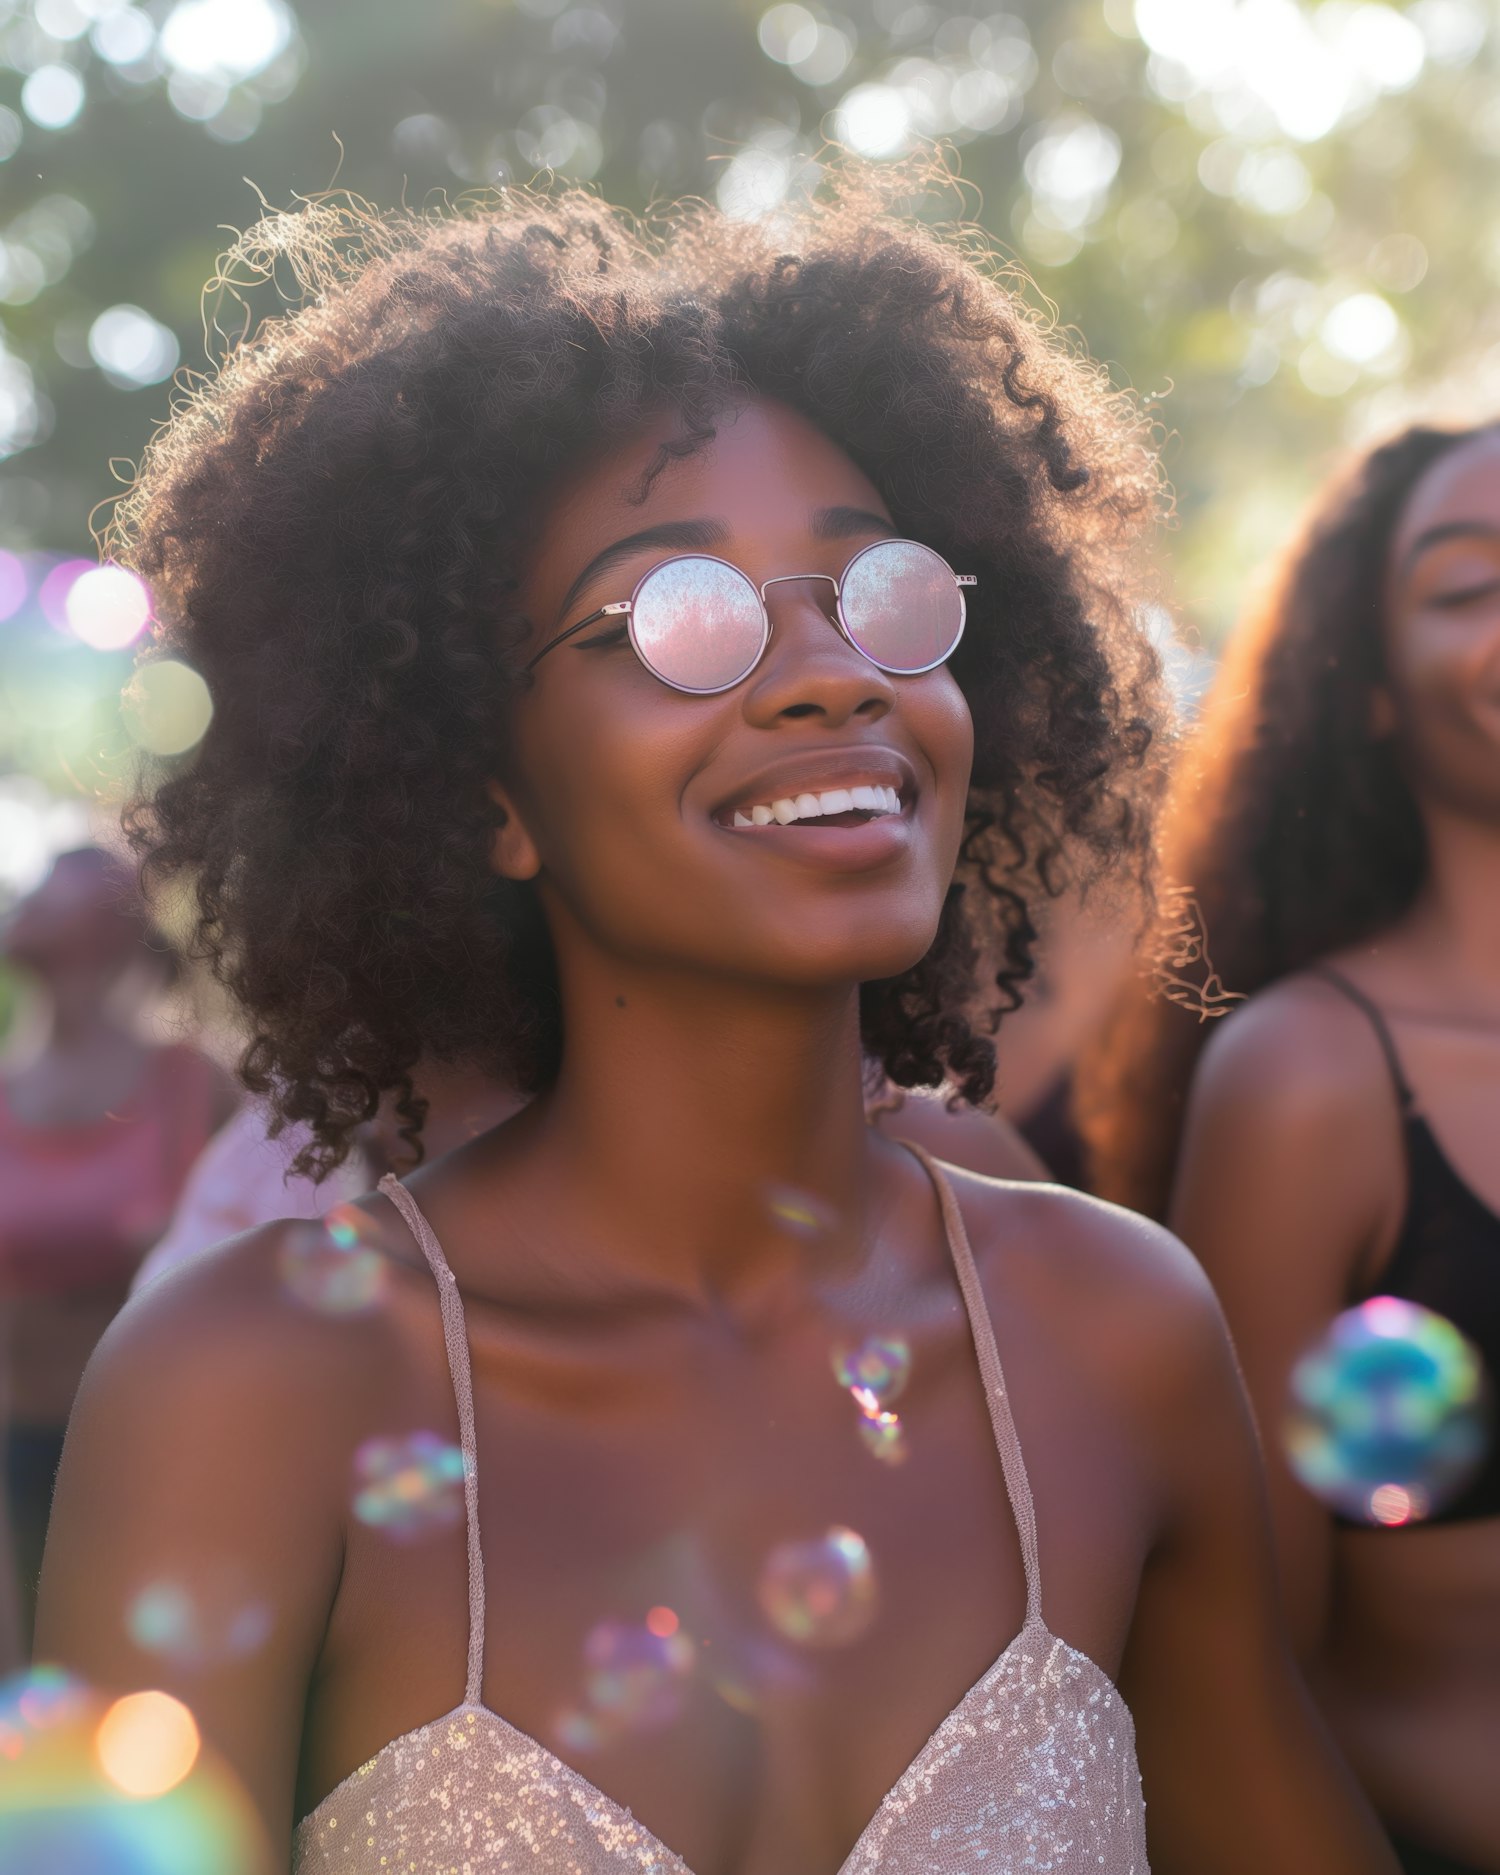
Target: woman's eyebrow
(1449, 530)
(844, 523)
(682, 534)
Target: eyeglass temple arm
(605, 611)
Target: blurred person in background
(1340, 831)
(675, 879)
(98, 1127)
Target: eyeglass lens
(902, 605)
(699, 623)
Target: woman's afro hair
(332, 522)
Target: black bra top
(1447, 1254)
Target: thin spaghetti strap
(456, 1340)
(1001, 1418)
(1352, 993)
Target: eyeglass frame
(625, 608)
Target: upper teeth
(791, 807)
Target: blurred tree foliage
(1276, 220)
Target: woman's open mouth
(829, 807)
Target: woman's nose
(810, 668)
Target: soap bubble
(799, 1213)
(883, 1436)
(411, 1486)
(124, 1786)
(198, 1628)
(332, 1266)
(635, 1679)
(878, 1368)
(820, 1593)
(1389, 1416)
(875, 1373)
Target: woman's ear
(513, 852)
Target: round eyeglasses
(699, 624)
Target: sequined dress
(1034, 1768)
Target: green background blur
(1276, 221)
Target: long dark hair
(1291, 830)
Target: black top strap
(1377, 1022)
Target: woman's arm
(203, 1457)
(1240, 1776)
(1290, 1177)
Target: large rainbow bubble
(1389, 1415)
(117, 1787)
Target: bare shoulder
(1299, 1050)
(962, 1135)
(220, 1353)
(1111, 1288)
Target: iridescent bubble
(1389, 1414)
(635, 1679)
(820, 1593)
(124, 1787)
(198, 1628)
(411, 1486)
(878, 1369)
(332, 1264)
(884, 1436)
(800, 1213)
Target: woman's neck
(1455, 920)
(692, 1114)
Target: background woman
(97, 1132)
(582, 615)
(1340, 832)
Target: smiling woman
(660, 670)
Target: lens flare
(409, 1487)
(1389, 1414)
(332, 1265)
(821, 1593)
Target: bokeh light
(332, 1264)
(131, 348)
(1389, 1414)
(821, 1593)
(225, 39)
(94, 1787)
(147, 1743)
(14, 584)
(52, 97)
(166, 707)
(875, 120)
(107, 607)
(205, 1625)
(409, 1487)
